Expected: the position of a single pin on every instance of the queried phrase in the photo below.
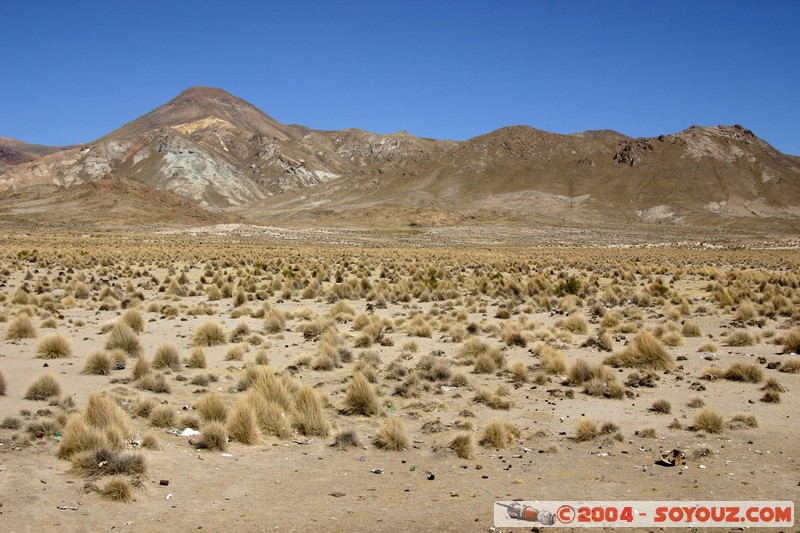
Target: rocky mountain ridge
(221, 153)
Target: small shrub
(582, 371)
(648, 433)
(275, 321)
(708, 347)
(487, 397)
(55, 346)
(45, 387)
(772, 384)
(708, 420)
(143, 407)
(520, 373)
(392, 436)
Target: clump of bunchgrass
(708, 420)
(392, 436)
(55, 346)
(43, 388)
(644, 351)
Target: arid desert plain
(181, 382)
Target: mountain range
(210, 156)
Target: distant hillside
(221, 153)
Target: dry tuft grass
(213, 437)
(134, 320)
(211, 408)
(661, 406)
(791, 366)
(98, 364)
(197, 359)
(771, 396)
(708, 420)
(743, 421)
(790, 341)
(45, 387)
(21, 328)
(582, 371)
(392, 436)
(499, 434)
(79, 436)
(586, 429)
(740, 337)
(345, 440)
(55, 346)
(747, 372)
(162, 416)
(122, 337)
(463, 446)
(117, 489)
(553, 361)
(696, 401)
(103, 413)
(243, 425)
(3, 383)
(772, 384)
(154, 382)
(209, 333)
(361, 398)
(309, 415)
(141, 368)
(105, 462)
(644, 351)
(167, 357)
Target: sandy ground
(288, 484)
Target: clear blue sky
(74, 71)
